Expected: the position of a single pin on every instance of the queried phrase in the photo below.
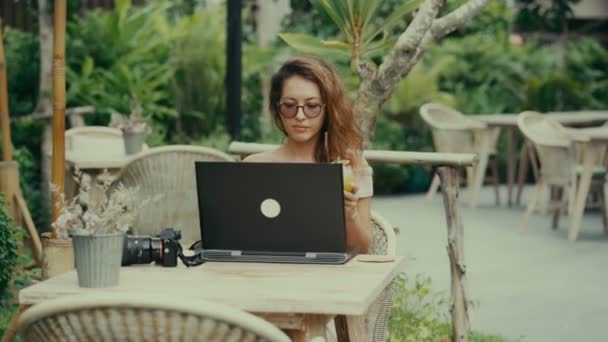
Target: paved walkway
(529, 287)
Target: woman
(311, 107)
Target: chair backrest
(453, 132)
(384, 242)
(553, 146)
(168, 171)
(134, 317)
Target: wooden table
(594, 142)
(508, 122)
(300, 297)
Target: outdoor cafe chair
(558, 165)
(384, 242)
(168, 171)
(454, 132)
(120, 317)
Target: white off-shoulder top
(365, 181)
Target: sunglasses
(311, 110)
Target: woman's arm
(358, 212)
(358, 225)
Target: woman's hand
(350, 204)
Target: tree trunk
(7, 145)
(45, 36)
(378, 84)
(366, 107)
(44, 105)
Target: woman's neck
(300, 152)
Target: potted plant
(134, 128)
(97, 220)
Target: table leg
(480, 169)
(522, 172)
(510, 164)
(589, 154)
(351, 328)
(459, 307)
(11, 330)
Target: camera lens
(156, 249)
(140, 250)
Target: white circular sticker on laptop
(270, 208)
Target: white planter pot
(98, 259)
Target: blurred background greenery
(170, 56)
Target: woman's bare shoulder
(358, 161)
(263, 157)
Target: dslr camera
(164, 249)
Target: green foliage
(418, 315)
(484, 74)
(124, 55)
(489, 75)
(29, 175)
(23, 69)
(419, 87)
(389, 178)
(6, 314)
(495, 19)
(200, 60)
(8, 247)
(363, 35)
(587, 63)
(543, 15)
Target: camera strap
(191, 260)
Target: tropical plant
(366, 44)
(543, 15)
(199, 59)
(122, 56)
(362, 36)
(21, 55)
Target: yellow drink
(348, 178)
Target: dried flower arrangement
(97, 209)
(132, 123)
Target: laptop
(272, 212)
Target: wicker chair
(168, 171)
(558, 165)
(119, 317)
(454, 132)
(384, 242)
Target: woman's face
(302, 124)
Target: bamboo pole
(7, 146)
(58, 166)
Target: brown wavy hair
(343, 135)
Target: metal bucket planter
(98, 259)
(134, 141)
(57, 256)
